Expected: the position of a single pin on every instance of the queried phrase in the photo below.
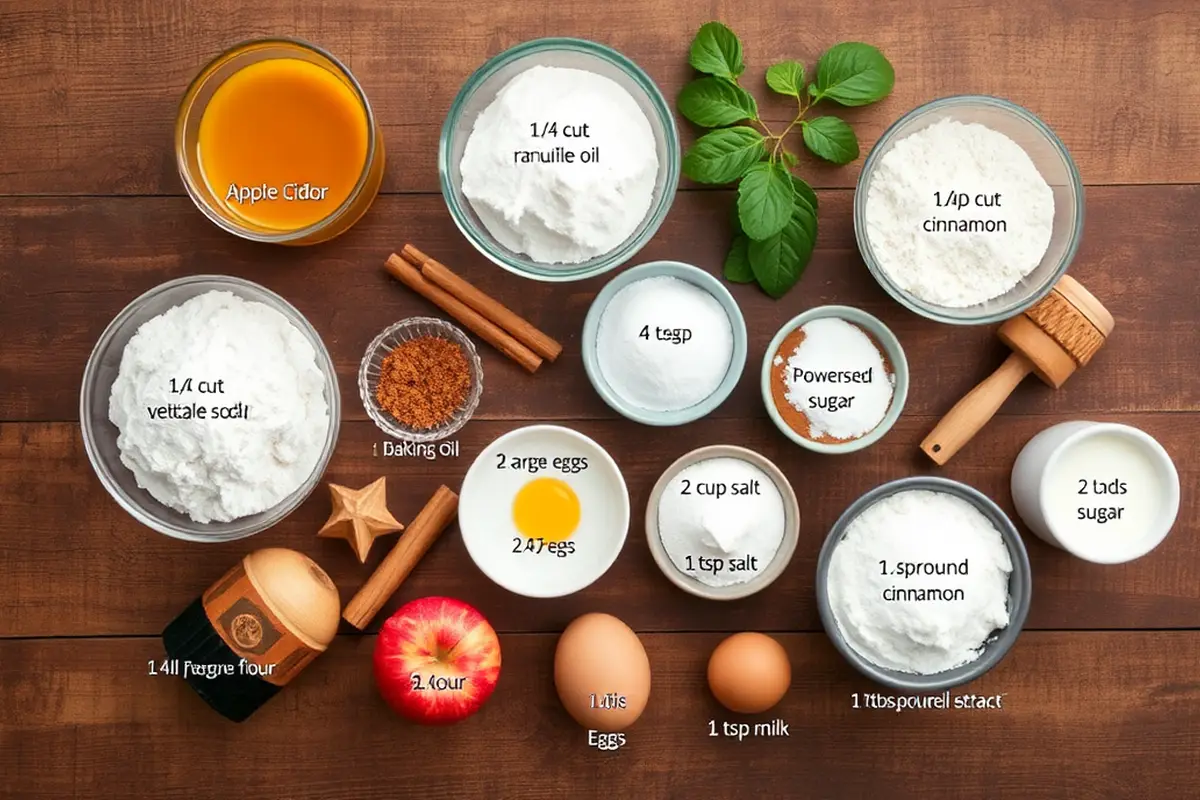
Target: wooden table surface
(1101, 692)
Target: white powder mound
(700, 530)
(920, 527)
(833, 354)
(220, 469)
(953, 268)
(559, 213)
(662, 373)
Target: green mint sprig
(775, 223)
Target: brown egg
(749, 673)
(602, 673)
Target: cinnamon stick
(487, 330)
(441, 509)
(520, 329)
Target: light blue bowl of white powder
(664, 343)
(893, 369)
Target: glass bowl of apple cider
(276, 142)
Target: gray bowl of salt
(997, 645)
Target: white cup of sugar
(1105, 492)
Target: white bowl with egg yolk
(544, 511)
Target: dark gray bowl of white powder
(923, 584)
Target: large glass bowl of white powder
(968, 210)
(276, 434)
(559, 159)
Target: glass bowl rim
(383, 420)
(271, 516)
(185, 110)
(483, 241)
(933, 312)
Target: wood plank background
(1101, 694)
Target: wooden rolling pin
(1052, 339)
(439, 512)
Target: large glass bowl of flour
(554, 206)
(935, 192)
(100, 434)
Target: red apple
(437, 660)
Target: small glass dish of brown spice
(420, 380)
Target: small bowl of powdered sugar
(968, 210)
(834, 379)
(559, 159)
(923, 584)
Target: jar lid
(298, 592)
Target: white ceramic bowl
(767, 575)
(504, 553)
(1035, 489)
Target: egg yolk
(546, 508)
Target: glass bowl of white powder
(923, 584)
(968, 210)
(559, 159)
(228, 405)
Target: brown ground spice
(422, 382)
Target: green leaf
(805, 194)
(831, 139)
(717, 51)
(786, 77)
(765, 200)
(853, 74)
(778, 262)
(790, 158)
(737, 263)
(715, 103)
(723, 156)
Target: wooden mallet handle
(971, 413)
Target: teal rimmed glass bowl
(1052, 160)
(481, 89)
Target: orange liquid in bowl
(282, 144)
